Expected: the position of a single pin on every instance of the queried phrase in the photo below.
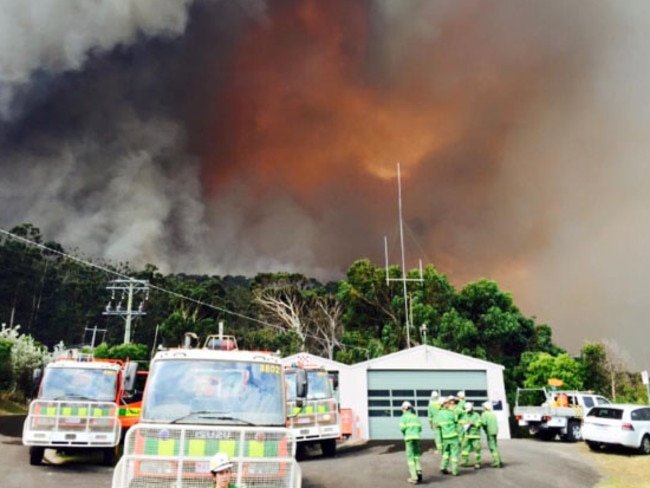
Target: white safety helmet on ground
(220, 462)
(469, 406)
(486, 406)
(406, 406)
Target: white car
(618, 425)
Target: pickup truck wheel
(36, 455)
(644, 448)
(573, 431)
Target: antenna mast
(403, 279)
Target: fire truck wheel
(36, 455)
(110, 453)
(328, 446)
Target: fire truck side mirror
(302, 385)
(130, 373)
(37, 374)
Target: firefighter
(448, 425)
(221, 469)
(491, 427)
(472, 427)
(432, 410)
(411, 428)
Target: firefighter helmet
(220, 462)
(406, 406)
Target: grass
(621, 469)
(8, 407)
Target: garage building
(375, 389)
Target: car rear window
(640, 414)
(606, 413)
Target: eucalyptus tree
(302, 306)
(374, 310)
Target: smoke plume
(235, 137)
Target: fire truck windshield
(214, 392)
(318, 381)
(79, 383)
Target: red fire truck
(315, 419)
(81, 405)
(200, 401)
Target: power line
(153, 287)
(126, 277)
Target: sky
(244, 136)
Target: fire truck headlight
(258, 469)
(157, 467)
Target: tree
(26, 356)
(593, 358)
(286, 299)
(544, 367)
(327, 328)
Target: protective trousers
(413, 457)
(472, 445)
(450, 453)
(494, 450)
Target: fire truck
(203, 400)
(316, 419)
(77, 407)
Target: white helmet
(435, 394)
(406, 405)
(460, 394)
(469, 406)
(450, 398)
(219, 462)
(486, 406)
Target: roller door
(388, 389)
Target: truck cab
(549, 412)
(76, 408)
(316, 418)
(201, 401)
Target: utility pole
(403, 279)
(128, 289)
(95, 330)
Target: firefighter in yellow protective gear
(472, 426)
(221, 469)
(448, 424)
(432, 411)
(411, 429)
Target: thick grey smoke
(247, 136)
(53, 36)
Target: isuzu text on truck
(82, 404)
(201, 401)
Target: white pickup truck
(548, 413)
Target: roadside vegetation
(621, 470)
(51, 299)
